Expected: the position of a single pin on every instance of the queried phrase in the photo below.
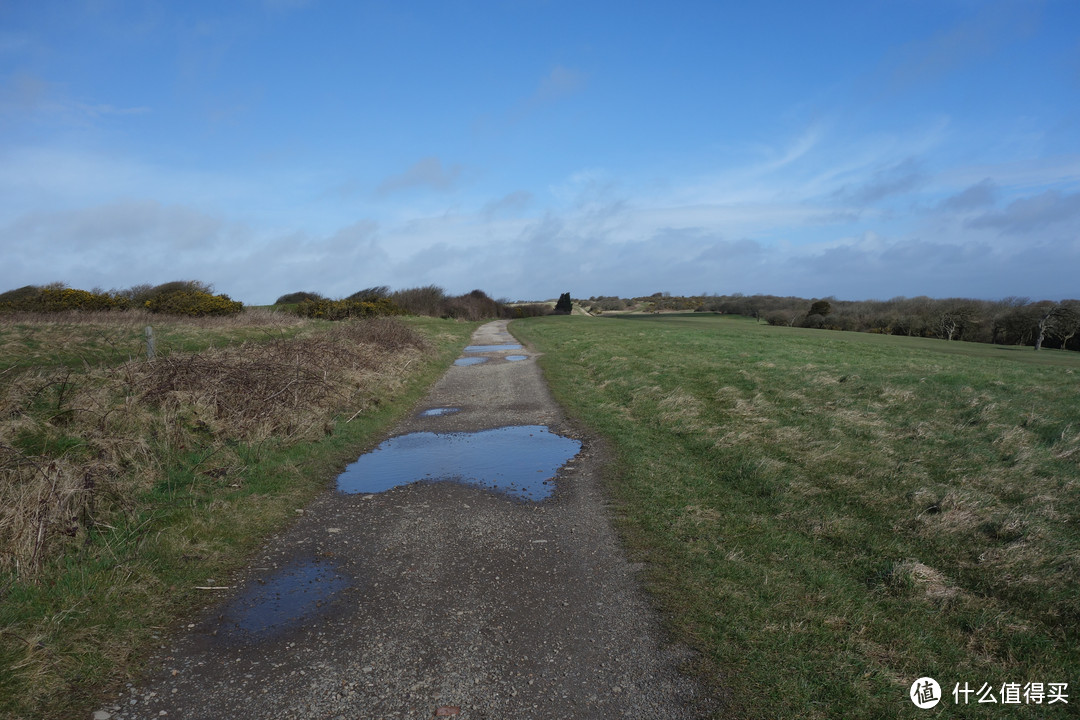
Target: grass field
(125, 484)
(828, 516)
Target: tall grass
(827, 517)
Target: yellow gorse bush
(190, 301)
(193, 303)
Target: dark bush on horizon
(475, 305)
(297, 297)
(426, 300)
(345, 308)
(371, 294)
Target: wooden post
(149, 343)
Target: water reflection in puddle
(515, 358)
(290, 595)
(520, 461)
(434, 412)
(492, 348)
(470, 361)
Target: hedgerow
(346, 308)
(186, 297)
(56, 298)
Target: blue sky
(856, 149)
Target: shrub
(475, 305)
(342, 309)
(58, 298)
(193, 303)
(370, 294)
(427, 300)
(297, 297)
(530, 310)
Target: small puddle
(435, 412)
(515, 358)
(470, 361)
(492, 348)
(293, 593)
(520, 461)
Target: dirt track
(432, 597)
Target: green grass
(71, 633)
(829, 516)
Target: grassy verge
(79, 340)
(125, 486)
(829, 516)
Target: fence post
(149, 343)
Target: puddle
(515, 358)
(470, 361)
(492, 348)
(288, 597)
(435, 412)
(520, 461)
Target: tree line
(1010, 321)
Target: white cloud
(427, 172)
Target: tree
(1067, 324)
(1057, 320)
(564, 306)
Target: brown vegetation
(77, 446)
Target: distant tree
(820, 307)
(564, 305)
(954, 320)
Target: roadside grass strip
(127, 485)
(827, 517)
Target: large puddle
(492, 348)
(520, 461)
(293, 593)
(470, 361)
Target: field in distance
(828, 516)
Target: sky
(863, 149)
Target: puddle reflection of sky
(520, 461)
(286, 598)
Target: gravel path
(434, 599)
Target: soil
(434, 599)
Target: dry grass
(76, 446)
